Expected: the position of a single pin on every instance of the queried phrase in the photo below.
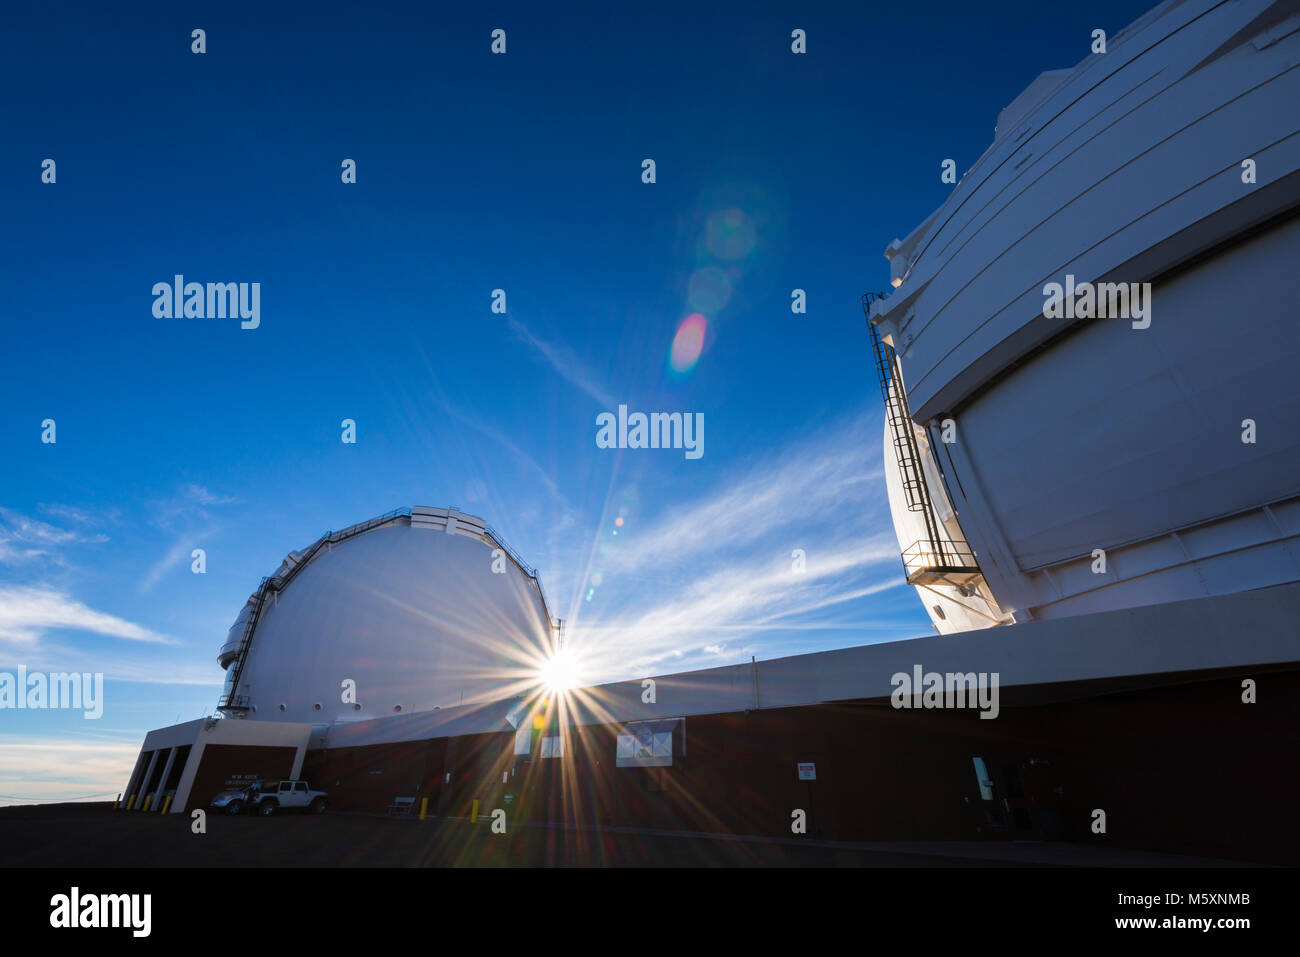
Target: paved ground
(94, 835)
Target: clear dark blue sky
(475, 172)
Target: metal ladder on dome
(229, 700)
(934, 558)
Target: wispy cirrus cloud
(565, 362)
(188, 516)
(24, 539)
(739, 603)
(496, 435)
(189, 503)
(80, 516)
(27, 613)
(783, 546)
(201, 495)
(146, 664)
(815, 482)
(179, 552)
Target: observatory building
(1101, 514)
(1041, 466)
(386, 617)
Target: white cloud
(28, 612)
(180, 551)
(148, 664)
(200, 495)
(24, 539)
(186, 515)
(39, 768)
(186, 506)
(76, 515)
(715, 574)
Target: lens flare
(708, 291)
(688, 343)
(730, 234)
(560, 673)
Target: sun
(560, 673)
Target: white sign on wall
(807, 771)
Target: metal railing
(528, 570)
(941, 560)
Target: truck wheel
(266, 808)
(234, 807)
(317, 806)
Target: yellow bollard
(147, 802)
(118, 801)
(424, 806)
(473, 814)
(167, 804)
(130, 802)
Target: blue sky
(475, 172)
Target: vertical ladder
(902, 430)
(230, 700)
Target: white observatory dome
(1046, 462)
(418, 609)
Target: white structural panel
(1118, 435)
(1126, 167)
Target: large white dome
(1141, 448)
(422, 610)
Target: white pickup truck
(267, 797)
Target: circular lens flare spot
(730, 234)
(708, 291)
(560, 673)
(688, 343)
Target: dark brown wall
(1187, 769)
(221, 763)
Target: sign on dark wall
(225, 767)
